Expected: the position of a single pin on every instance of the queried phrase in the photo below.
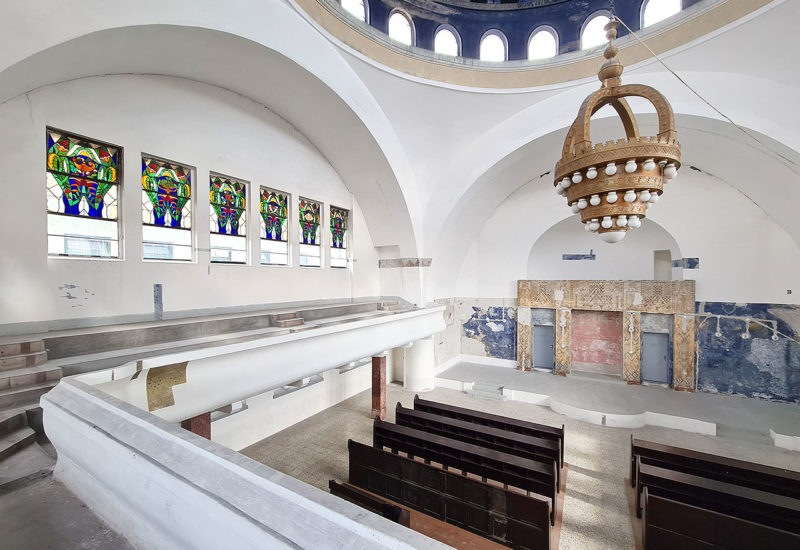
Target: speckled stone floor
(597, 511)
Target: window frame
(192, 171)
(543, 28)
(586, 22)
(643, 7)
(320, 240)
(244, 238)
(366, 14)
(287, 241)
(407, 16)
(456, 35)
(345, 238)
(119, 184)
(503, 38)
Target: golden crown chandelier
(611, 185)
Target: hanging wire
(703, 99)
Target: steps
(11, 442)
(28, 376)
(15, 397)
(489, 391)
(22, 360)
(291, 322)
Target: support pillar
(379, 386)
(200, 425)
(420, 366)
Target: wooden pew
(730, 470)
(669, 525)
(522, 473)
(776, 511)
(525, 446)
(500, 515)
(495, 421)
(369, 502)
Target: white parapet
(216, 377)
(163, 487)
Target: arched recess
(536, 36)
(318, 104)
(632, 260)
(491, 38)
(446, 28)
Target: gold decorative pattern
(683, 296)
(524, 338)
(683, 353)
(563, 340)
(160, 381)
(598, 295)
(632, 346)
(657, 296)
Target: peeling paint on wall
(496, 329)
(757, 366)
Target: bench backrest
(506, 517)
(495, 421)
(369, 502)
(669, 524)
(502, 467)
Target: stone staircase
(24, 378)
(484, 390)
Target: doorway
(544, 341)
(655, 357)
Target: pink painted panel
(597, 341)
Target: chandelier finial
(611, 70)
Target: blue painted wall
(565, 16)
(496, 328)
(755, 367)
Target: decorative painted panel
(166, 194)
(563, 340)
(632, 346)
(684, 346)
(683, 296)
(228, 200)
(598, 295)
(82, 176)
(493, 328)
(657, 296)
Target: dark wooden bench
(507, 517)
(369, 502)
(523, 473)
(525, 446)
(721, 468)
(776, 511)
(670, 525)
(495, 421)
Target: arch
(357, 8)
(401, 27)
(538, 32)
(445, 28)
(654, 11)
(591, 24)
(492, 35)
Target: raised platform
(609, 401)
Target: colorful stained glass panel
(228, 199)
(309, 222)
(339, 227)
(166, 194)
(82, 176)
(274, 208)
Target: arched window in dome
(592, 33)
(447, 41)
(654, 11)
(401, 28)
(357, 8)
(494, 46)
(543, 43)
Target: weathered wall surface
(757, 366)
(494, 328)
(597, 341)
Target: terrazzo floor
(597, 512)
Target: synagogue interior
(400, 274)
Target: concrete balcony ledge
(163, 487)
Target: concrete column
(420, 365)
(200, 425)
(379, 386)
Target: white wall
(196, 124)
(632, 258)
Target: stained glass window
(339, 217)
(166, 210)
(274, 208)
(310, 254)
(228, 210)
(82, 196)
